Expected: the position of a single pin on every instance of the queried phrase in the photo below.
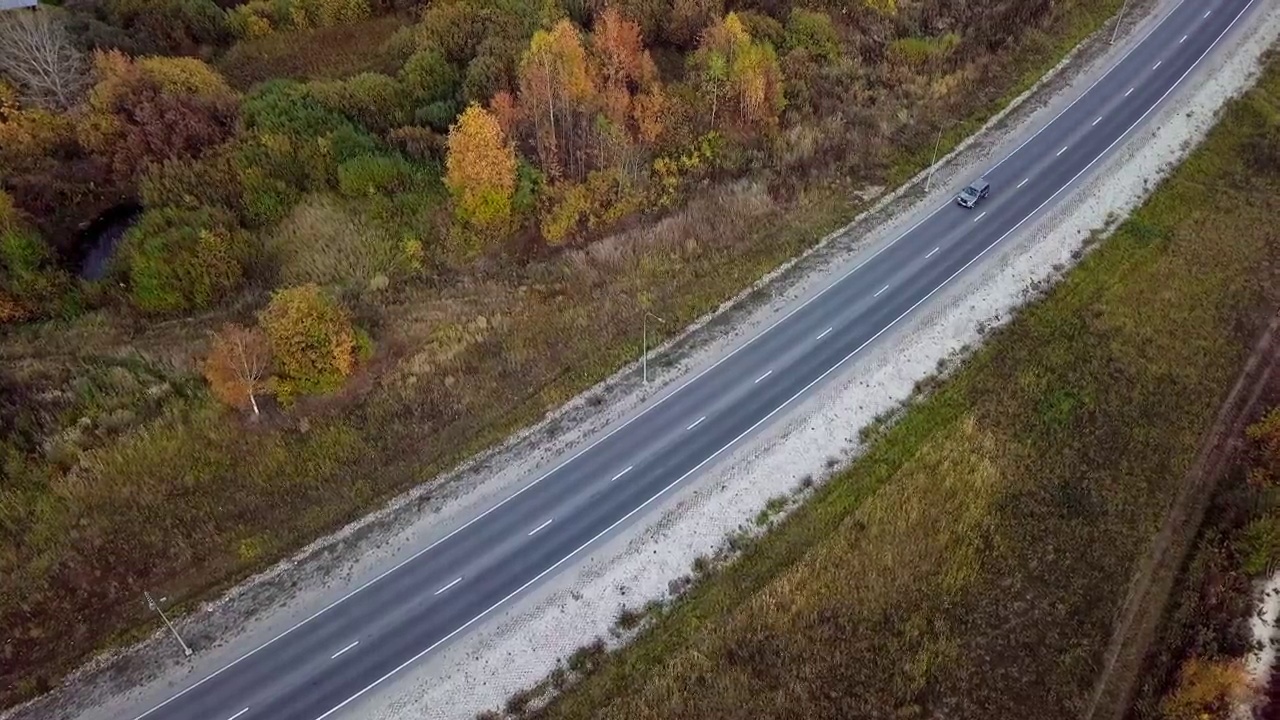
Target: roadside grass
(971, 563)
(184, 500)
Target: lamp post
(152, 604)
(938, 143)
(644, 357)
(1119, 17)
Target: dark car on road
(972, 194)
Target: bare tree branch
(36, 52)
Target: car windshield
(970, 191)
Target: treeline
(505, 124)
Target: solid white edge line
(765, 375)
(696, 423)
(624, 472)
(931, 253)
(1104, 76)
(682, 386)
(823, 334)
(548, 522)
(335, 655)
(233, 717)
(806, 388)
(446, 587)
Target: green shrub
(917, 52)
(373, 100)
(812, 30)
(170, 26)
(288, 107)
(374, 174)
(324, 13)
(350, 143)
(1260, 545)
(178, 259)
(209, 181)
(428, 77)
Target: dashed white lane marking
(984, 214)
(1024, 182)
(1064, 149)
(931, 252)
(1207, 13)
(696, 423)
(335, 655)
(548, 522)
(1130, 92)
(1095, 122)
(765, 419)
(766, 374)
(233, 717)
(1184, 39)
(624, 472)
(824, 333)
(1153, 67)
(446, 587)
(886, 287)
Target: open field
(973, 562)
(459, 366)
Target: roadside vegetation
(384, 235)
(1196, 670)
(972, 563)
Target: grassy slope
(971, 563)
(221, 500)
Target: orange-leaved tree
(480, 170)
(312, 339)
(237, 365)
(630, 94)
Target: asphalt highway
(318, 668)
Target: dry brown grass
(321, 54)
(323, 242)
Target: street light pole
(929, 182)
(152, 604)
(1119, 17)
(644, 356)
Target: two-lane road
(320, 666)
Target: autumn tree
(623, 65)
(556, 95)
(312, 339)
(480, 169)
(38, 54)
(237, 366)
(739, 77)
(156, 109)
